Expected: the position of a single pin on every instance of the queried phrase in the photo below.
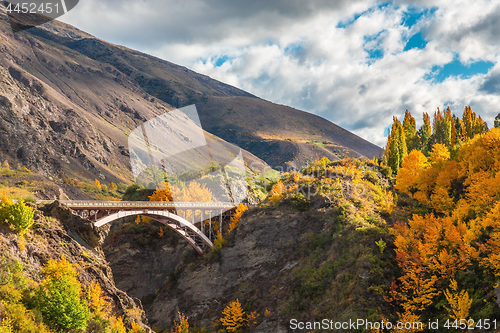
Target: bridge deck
(91, 204)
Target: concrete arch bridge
(174, 215)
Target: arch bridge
(172, 214)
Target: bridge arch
(183, 227)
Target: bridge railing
(91, 204)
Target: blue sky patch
(413, 15)
(456, 68)
(293, 49)
(350, 20)
(221, 60)
(375, 52)
(415, 41)
(387, 131)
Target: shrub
(300, 202)
(17, 214)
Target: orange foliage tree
(235, 219)
(277, 192)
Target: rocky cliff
(57, 233)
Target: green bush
(18, 215)
(58, 297)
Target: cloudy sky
(355, 63)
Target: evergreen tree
(497, 121)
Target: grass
(321, 144)
(16, 193)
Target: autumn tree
(235, 219)
(233, 316)
(438, 130)
(448, 127)
(97, 184)
(135, 328)
(396, 146)
(112, 187)
(218, 242)
(117, 325)
(410, 130)
(162, 194)
(425, 133)
(408, 176)
(182, 326)
(58, 297)
(459, 302)
(277, 192)
(193, 192)
(99, 304)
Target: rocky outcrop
(252, 267)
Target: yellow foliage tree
(98, 303)
(117, 325)
(408, 175)
(112, 187)
(234, 316)
(218, 242)
(459, 302)
(135, 328)
(97, 184)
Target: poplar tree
(410, 129)
(396, 146)
(447, 128)
(468, 124)
(425, 134)
(438, 132)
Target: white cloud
(295, 54)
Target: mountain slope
(66, 115)
(101, 78)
